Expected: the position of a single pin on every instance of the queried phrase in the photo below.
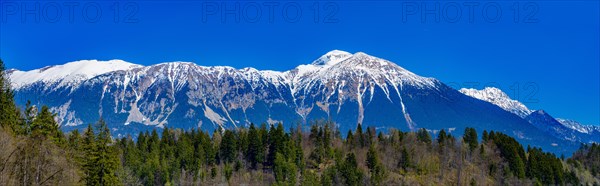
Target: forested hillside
(36, 152)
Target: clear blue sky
(553, 46)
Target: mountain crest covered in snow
(572, 124)
(69, 74)
(497, 97)
(332, 57)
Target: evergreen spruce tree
(424, 136)
(90, 157)
(359, 137)
(485, 136)
(276, 143)
(327, 139)
(405, 160)
(375, 167)
(349, 170)
(74, 140)
(9, 114)
(108, 159)
(372, 159)
(370, 136)
(284, 170)
(350, 139)
(101, 159)
(299, 153)
(44, 123)
(381, 138)
(228, 149)
(29, 116)
(255, 153)
(470, 138)
(442, 137)
(263, 132)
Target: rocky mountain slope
(339, 86)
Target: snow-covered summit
(381, 70)
(499, 98)
(69, 73)
(332, 57)
(327, 60)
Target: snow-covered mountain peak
(9, 71)
(541, 112)
(174, 65)
(499, 98)
(332, 57)
(248, 70)
(171, 66)
(572, 124)
(361, 59)
(181, 66)
(177, 63)
(383, 69)
(357, 72)
(68, 74)
(491, 92)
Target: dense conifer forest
(36, 152)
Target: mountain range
(341, 87)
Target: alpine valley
(341, 87)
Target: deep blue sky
(552, 46)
